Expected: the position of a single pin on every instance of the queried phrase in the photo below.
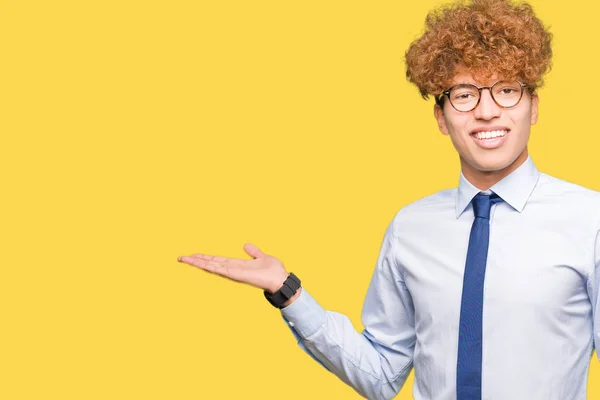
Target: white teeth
(490, 134)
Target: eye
(463, 96)
(507, 89)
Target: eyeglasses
(465, 97)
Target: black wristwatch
(289, 288)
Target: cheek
(460, 140)
(524, 115)
(458, 131)
(455, 122)
(523, 123)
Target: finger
(233, 272)
(224, 261)
(202, 264)
(206, 257)
(194, 261)
(253, 251)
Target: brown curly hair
(485, 37)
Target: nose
(487, 108)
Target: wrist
(278, 284)
(293, 298)
(286, 294)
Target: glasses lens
(464, 97)
(507, 94)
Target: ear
(438, 112)
(535, 100)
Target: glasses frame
(480, 89)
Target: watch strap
(288, 289)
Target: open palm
(263, 271)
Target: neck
(483, 180)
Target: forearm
(374, 371)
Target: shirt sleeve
(593, 290)
(377, 361)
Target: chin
(493, 164)
(492, 168)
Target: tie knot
(482, 204)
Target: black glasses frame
(479, 89)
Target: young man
(489, 290)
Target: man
(489, 290)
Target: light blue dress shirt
(540, 316)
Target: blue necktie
(468, 371)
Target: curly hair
(485, 37)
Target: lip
(492, 143)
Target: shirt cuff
(305, 315)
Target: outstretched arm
(376, 361)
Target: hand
(263, 271)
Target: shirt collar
(514, 188)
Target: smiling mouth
(487, 135)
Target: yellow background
(133, 132)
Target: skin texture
(262, 271)
(484, 167)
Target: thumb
(253, 251)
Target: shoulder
(565, 194)
(551, 186)
(425, 208)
